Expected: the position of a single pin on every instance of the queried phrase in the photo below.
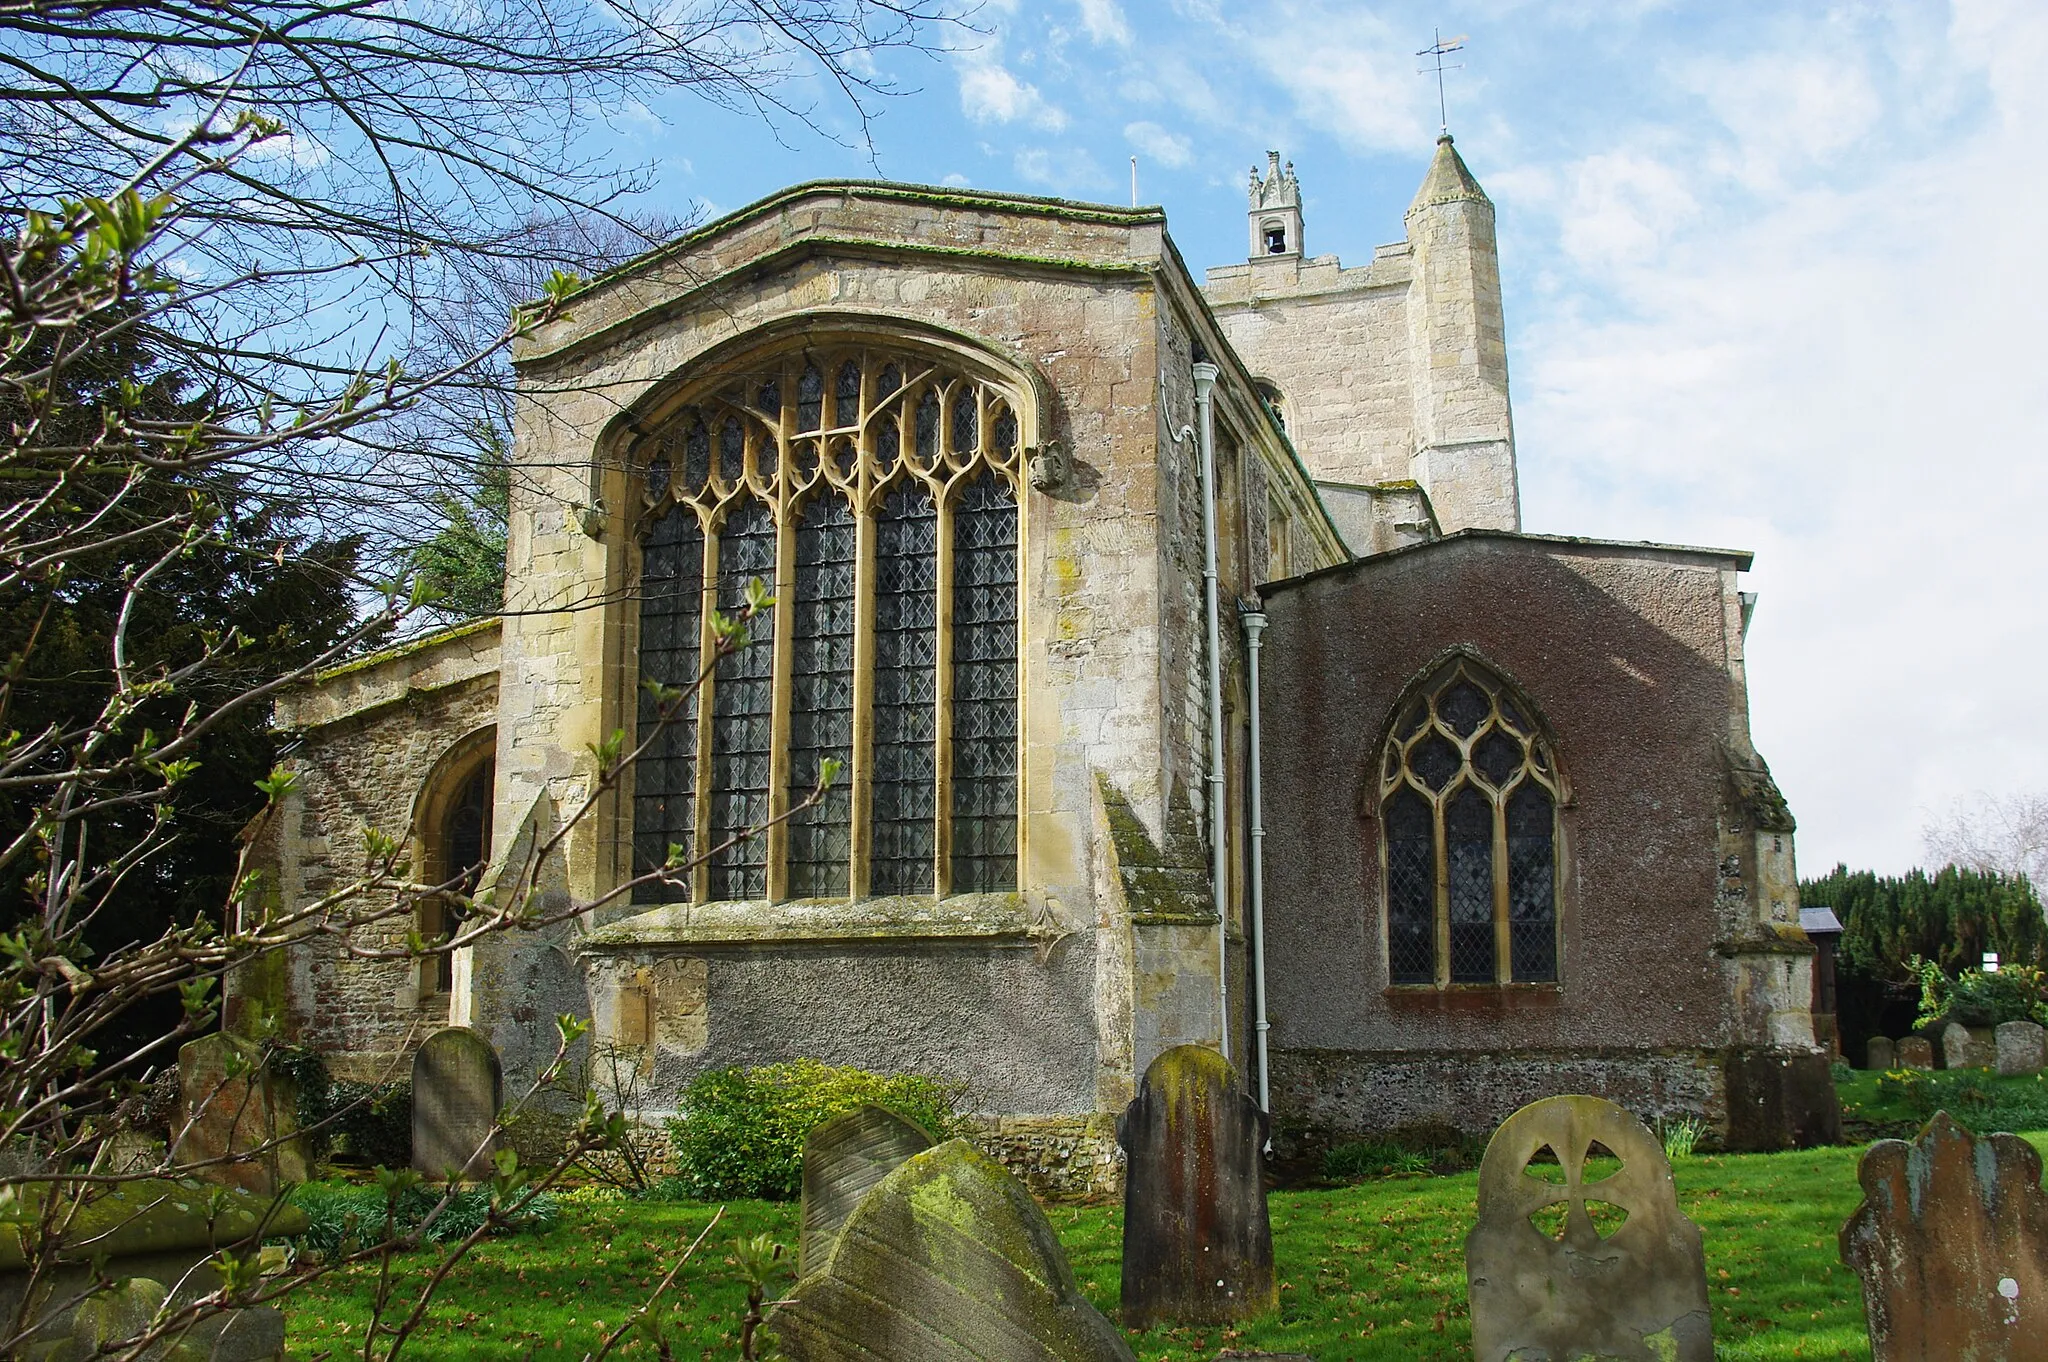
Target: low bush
(1356, 1160)
(1974, 998)
(741, 1132)
(342, 1218)
(365, 1123)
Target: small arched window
(458, 849)
(1468, 818)
(880, 485)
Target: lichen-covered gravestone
(1198, 1247)
(457, 1088)
(947, 1259)
(843, 1159)
(1915, 1052)
(1878, 1053)
(2022, 1049)
(1968, 1047)
(1572, 1261)
(1951, 1242)
(237, 1122)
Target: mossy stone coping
(152, 1215)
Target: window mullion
(1443, 891)
(1503, 950)
(707, 651)
(942, 722)
(779, 701)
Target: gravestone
(1633, 1287)
(1198, 1247)
(457, 1088)
(842, 1159)
(2022, 1049)
(237, 1122)
(1968, 1047)
(1878, 1054)
(947, 1259)
(1951, 1242)
(1915, 1052)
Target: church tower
(1392, 375)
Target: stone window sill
(1473, 999)
(963, 917)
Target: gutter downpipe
(1205, 417)
(1254, 626)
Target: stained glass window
(985, 687)
(1469, 810)
(671, 620)
(742, 710)
(906, 691)
(825, 453)
(821, 701)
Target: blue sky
(1773, 281)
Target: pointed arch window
(878, 487)
(1468, 818)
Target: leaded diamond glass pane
(1003, 438)
(741, 722)
(1417, 715)
(810, 399)
(1436, 760)
(821, 703)
(1498, 757)
(696, 456)
(769, 400)
(732, 450)
(671, 620)
(928, 428)
(966, 420)
(1411, 890)
(846, 395)
(906, 692)
(985, 687)
(1468, 855)
(888, 444)
(1463, 708)
(1532, 884)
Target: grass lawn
(1370, 1271)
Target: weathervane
(1441, 49)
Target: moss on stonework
(1758, 794)
(259, 993)
(405, 649)
(152, 1215)
(1169, 885)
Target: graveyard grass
(1373, 1271)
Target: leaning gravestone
(457, 1088)
(842, 1159)
(2022, 1049)
(947, 1259)
(1951, 1242)
(1915, 1052)
(1878, 1054)
(237, 1122)
(1198, 1247)
(1631, 1284)
(1968, 1047)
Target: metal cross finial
(1440, 49)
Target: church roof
(1739, 559)
(1449, 179)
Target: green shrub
(741, 1132)
(342, 1218)
(1974, 998)
(369, 1123)
(1358, 1159)
(1680, 1137)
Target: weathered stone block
(1198, 1247)
(1915, 1052)
(1879, 1054)
(1594, 1288)
(457, 1089)
(1781, 1099)
(2022, 1048)
(843, 1159)
(237, 1121)
(1951, 1242)
(947, 1259)
(1968, 1047)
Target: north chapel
(1190, 674)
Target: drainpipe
(1254, 626)
(1205, 419)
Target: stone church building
(1191, 673)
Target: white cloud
(1104, 20)
(990, 93)
(1346, 71)
(956, 180)
(1167, 148)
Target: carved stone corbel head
(1049, 465)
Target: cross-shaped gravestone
(1580, 1249)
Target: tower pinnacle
(1275, 210)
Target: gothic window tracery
(1468, 816)
(879, 485)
